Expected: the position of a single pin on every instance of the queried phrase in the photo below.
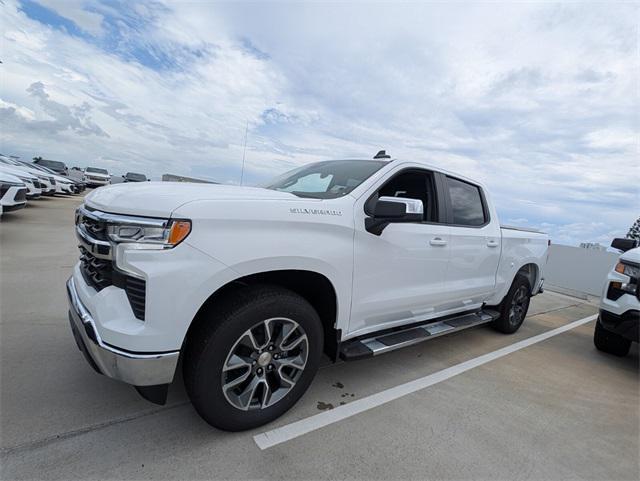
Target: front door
(399, 276)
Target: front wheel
(254, 358)
(514, 307)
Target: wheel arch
(531, 272)
(529, 269)
(313, 286)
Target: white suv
(619, 320)
(97, 177)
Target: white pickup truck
(250, 286)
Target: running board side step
(382, 343)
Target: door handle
(437, 241)
(493, 243)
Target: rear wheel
(254, 359)
(514, 307)
(610, 342)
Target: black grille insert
(21, 195)
(96, 229)
(136, 292)
(99, 273)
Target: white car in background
(46, 181)
(59, 183)
(77, 174)
(29, 180)
(63, 185)
(96, 176)
(68, 185)
(13, 193)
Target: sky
(540, 101)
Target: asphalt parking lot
(557, 409)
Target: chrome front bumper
(139, 369)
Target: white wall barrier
(578, 269)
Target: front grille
(100, 273)
(21, 195)
(97, 272)
(95, 228)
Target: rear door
(475, 244)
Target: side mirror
(124, 176)
(393, 209)
(624, 244)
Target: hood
(17, 171)
(632, 255)
(33, 171)
(6, 177)
(160, 199)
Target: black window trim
(439, 197)
(449, 207)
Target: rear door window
(466, 203)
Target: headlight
(617, 289)
(151, 234)
(628, 270)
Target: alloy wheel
(519, 305)
(265, 363)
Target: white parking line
(285, 433)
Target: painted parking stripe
(285, 433)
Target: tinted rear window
(133, 176)
(466, 203)
(52, 164)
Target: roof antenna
(244, 152)
(382, 155)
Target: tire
(222, 340)
(514, 307)
(610, 342)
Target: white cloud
(542, 107)
(23, 112)
(625, 140)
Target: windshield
(97, 171)
(131, 175)
(325, 180)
